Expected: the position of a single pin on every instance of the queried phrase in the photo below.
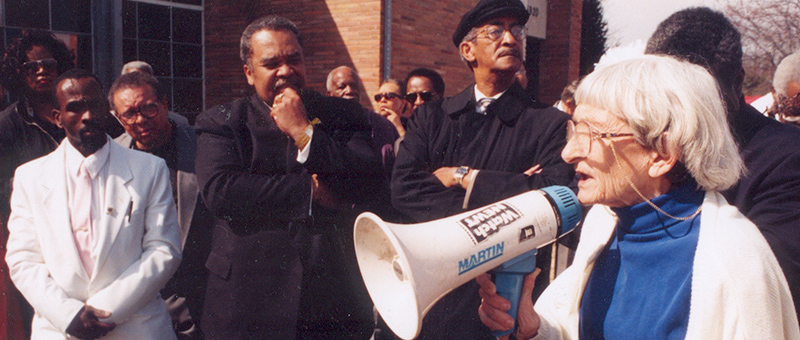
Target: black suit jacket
(769, 194)
(516, 133)
(264, 240)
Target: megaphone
(407, 268)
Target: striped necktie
(484, 103)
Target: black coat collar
(507, 108)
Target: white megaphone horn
(407, 268)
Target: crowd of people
(123, 221)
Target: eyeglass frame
(389, 96)
(520, 35)
(129, 117)
(33, 66)
(593, 135)
(411, 97)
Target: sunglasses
(411, 97)
(33, 66)
(387, 95)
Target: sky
(631, 20)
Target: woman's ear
(662, 162)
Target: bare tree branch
(770, 31)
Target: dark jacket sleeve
(492, 186)
(266, 193)
(418, 194)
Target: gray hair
(269, 23)
(329, 83)
(137, 65)
(471, 35)
(672, 107)
(788, 71)
(132, 80)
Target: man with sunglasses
(141, 107)
(487, 143)
(423, 85)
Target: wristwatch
(460, 173)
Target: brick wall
(348, 32)
(559, 61)
(334, 32)
(422, 34)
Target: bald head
(343, 82)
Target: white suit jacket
(137, 236)
(738, 288)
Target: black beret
(489, 9)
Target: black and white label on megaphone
(408, 267)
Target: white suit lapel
(58, 217)
(118, 203)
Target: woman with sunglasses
(28, 130)
(662, 255)
(392, 105)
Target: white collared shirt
(479, 95)
(96, 164)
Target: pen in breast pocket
(130, 210)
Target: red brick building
(384, 39)
(193, 44)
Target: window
(166, 34)
(169, 36)
(69, 20)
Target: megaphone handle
(509, 286)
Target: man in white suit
(94, 272)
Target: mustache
(511, 52)
(293, 82)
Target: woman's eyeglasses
(33, 66)
(582, 134)
(387, 95)
(411, 97)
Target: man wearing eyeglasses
(141, 107)
(423, 85)
(487, 143)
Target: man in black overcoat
(459, 154)
(267, 165)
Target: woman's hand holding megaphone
(494, 308)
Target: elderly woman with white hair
(662, 255)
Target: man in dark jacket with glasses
(487, 143)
